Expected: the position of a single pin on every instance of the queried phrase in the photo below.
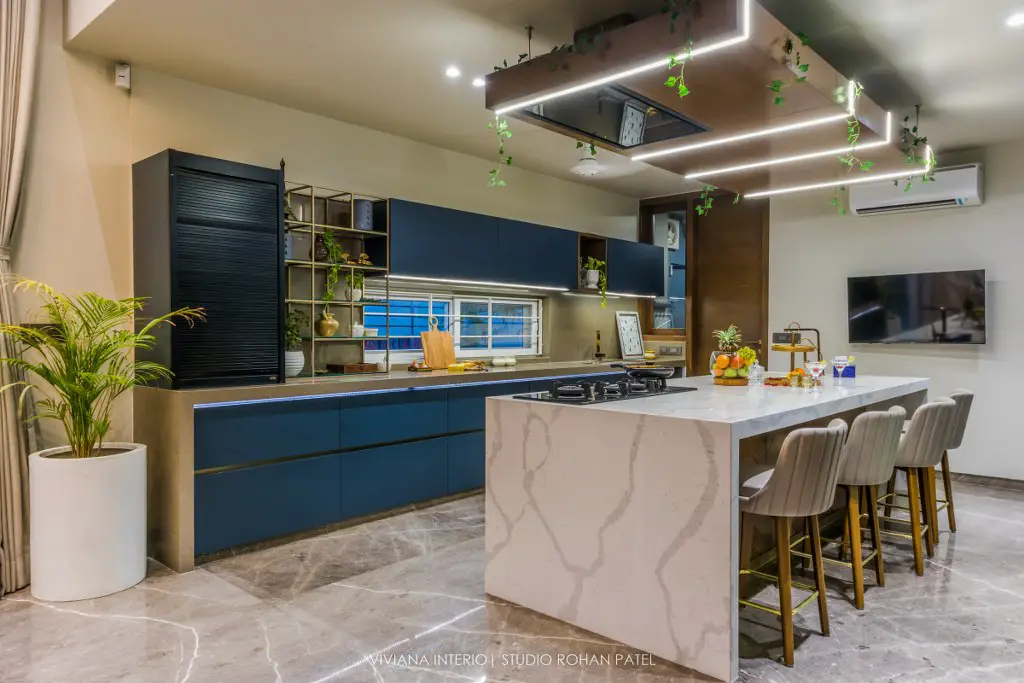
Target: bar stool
(920, 450)
(870, 456)
(963, 399)
(802, 484)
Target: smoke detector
(587, 166)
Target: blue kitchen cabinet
(532, 254)
(467, 405)
(375, 418)
(252, 504)
(432, 241)
(467, 454)
(376, 479)
(252, 432)
(635, 268)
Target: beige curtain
(19, 38)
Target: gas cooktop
(587, 393)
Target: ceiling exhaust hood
(730, 131)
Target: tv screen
(921, 308)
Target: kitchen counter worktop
(755, 410)
(395, 379)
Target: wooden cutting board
(438, 347)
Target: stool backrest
(871, 447)
(803, 482)
(963, 400)
(928, 435)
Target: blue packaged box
(849, 371)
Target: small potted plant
(88, 499)
(730, 365)
(354, 286)
(595, 276)
(294, 357)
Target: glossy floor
(402, 600)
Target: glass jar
(756, 376)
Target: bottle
(756, 376)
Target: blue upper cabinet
(532, 254)
(635, 268)
(431, 241)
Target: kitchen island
(621, 517)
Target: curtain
(19, 38)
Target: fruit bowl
(728, 368)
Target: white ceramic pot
(358, 329)
(294, 361)
(591, 278)
(353, 294)
(88, 531)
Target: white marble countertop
(755, 410)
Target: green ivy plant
(336, 257)
(704, 207)
(850, 160)
(914, 147)
(602, 280)
(679, 82)
(837, 201)
(500, 128)
(793, 55)
(592, 148)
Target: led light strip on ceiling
(484, 283)
(800, 157)
(930, 156)
(660, 63)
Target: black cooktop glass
(585, 398)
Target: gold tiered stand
(799, 346)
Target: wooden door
(727, 278)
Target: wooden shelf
(319, 264)
(338, 302)
(308, 228)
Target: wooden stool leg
(805, 562)
(846, 535)
(785, 588)
(890, 489)
(947, 484)
(819, 575)
(933, 502)
(746, 545)
(876, 535)
(915, 520)
(856, 557)
(926, 509)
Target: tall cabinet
(208, 233)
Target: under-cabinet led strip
(854, 181)
(484, 283)
(799, 157)
(661, 63)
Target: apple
(731, 373)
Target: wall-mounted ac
(953, 187)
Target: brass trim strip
(318, 454)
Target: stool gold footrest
(896, 534)
(867, 558)
(774, 579)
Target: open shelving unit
(360, 225)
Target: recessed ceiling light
(479, 82)
(1016, 20)
(452, 72)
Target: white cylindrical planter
(88, 522)
(591, 279)
(294, 361)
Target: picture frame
(631, 339)
(674, 230)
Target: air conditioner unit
(953, 187)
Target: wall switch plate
(123, 76)
(673, 350)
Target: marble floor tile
(401, 600)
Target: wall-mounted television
(918, 308)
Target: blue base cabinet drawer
(390, 417)
(253, 504)
(236, 435)
(467, 456)
(378, 479)
(466, 405)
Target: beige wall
(75, 224)
(814, 250)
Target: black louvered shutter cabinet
(208, 233)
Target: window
(480, 326)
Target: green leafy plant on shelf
(294, 323)
(83, 357)
(355, 281)
(602, 277)
(336, 257)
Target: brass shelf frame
(309, 196)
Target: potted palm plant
(88, 499)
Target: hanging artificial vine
(704, 207)
(679, 82)
(589, 145)
(838, 203)
(794, 62)
(912, 143)
(500, 127)
(850, 160)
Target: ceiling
(380, 63)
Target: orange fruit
(722, 362)
(718, 372)
(737, 362)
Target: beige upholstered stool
(870, 455)
(802, 485)
(920, 450)
(963, 399)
